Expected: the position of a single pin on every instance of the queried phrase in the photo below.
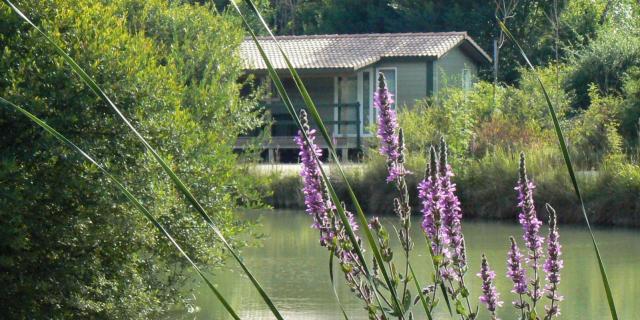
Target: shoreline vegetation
(485, 187)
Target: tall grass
(396, 305)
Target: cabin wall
(448, 70)
(411, 80)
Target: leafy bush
(594, 131)
(604, 61)
(71, 246)
(479, 120)
(429, 119)
(630, 119)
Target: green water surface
(293, 269)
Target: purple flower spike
(314, 196)
(449, 206)
(428, 195)
(553, 265)
(527, 216)
(490, 296)
(387, 128)
(516, 272)
(531, 228)
(333, 232)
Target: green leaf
(446, 297)
(533, 315)
(460, 309)
(427, 310)
(569, 165)
(437, 259)
(407, 301)
(380, 283)
(464, 292)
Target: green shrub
(594, 132)
(71, 246)
(604, 61)
(485, 117)
(614, 199)
(630, 118)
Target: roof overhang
(474, 51)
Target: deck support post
(271, 155)
(344, 152)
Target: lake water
(293, 269)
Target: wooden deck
(286, 142)
(343, 121)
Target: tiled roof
(353, 51)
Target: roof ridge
(364, 35)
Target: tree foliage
(71, 246)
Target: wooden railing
(344, 121)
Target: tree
(70, 245)
(607, 58)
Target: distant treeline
(532, 21)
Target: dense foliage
(71, 246)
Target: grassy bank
(486, 188)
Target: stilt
(271, 156)
(345, 154)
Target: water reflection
(293, 269)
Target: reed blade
(420, 294)
(333, 285)
(165, 167)
(311, 108)
(572, 175)
(128, 195)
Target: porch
(343, 100)
(343, 121)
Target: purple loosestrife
(388, 129)
(313, 188)
(451, 214)
(517, 273)
(552, 266)
(428, 196)
(531, 227)
(333, 232)
(392, 147)
(515, 269)
(490, 296)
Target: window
(348, 99)
(466, 79)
